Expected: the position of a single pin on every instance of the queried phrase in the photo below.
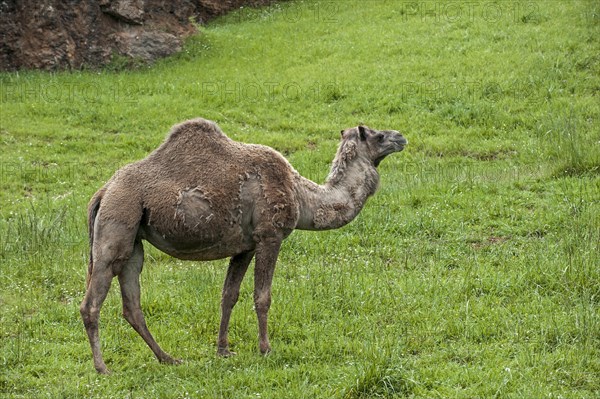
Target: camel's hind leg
(90, 310)
(129, 280)
(112, 250)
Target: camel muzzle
(400, 142)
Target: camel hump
(191, 138)
(195, 129)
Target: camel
(202, 196)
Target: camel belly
(208, 246)
(199, 227)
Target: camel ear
(342, 133)
(363, 133)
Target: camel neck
(339, 200)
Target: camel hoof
(224, 352)
(265, 351)
(170, 360)
(103, 370)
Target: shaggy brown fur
(203, 196)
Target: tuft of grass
(122, 63)
(379, 379)
(575, 151)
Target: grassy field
(474, 272)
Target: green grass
(473, 272)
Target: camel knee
(90, 314)
(262, 302)
(112, 256)
(83, 311)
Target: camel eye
(380, 137)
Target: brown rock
(72, 34)
(130, 11)
(146, 45)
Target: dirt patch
(491, 240)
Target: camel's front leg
(266, 257)
(231, 291)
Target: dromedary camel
(203, 196)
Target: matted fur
(198, 155)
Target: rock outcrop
(75, 34)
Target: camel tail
(93, 208)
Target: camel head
(373, 144)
